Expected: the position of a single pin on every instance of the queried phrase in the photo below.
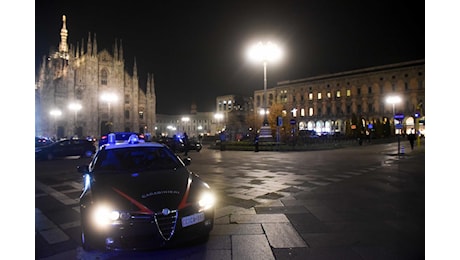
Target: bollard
(402, 149)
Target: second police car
(140, 195)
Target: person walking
(411, 138)
(256, 143)
(186, 143)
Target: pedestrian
(223, 138)
(256, 143)
(411, 138)
(186, 143)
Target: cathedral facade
(88, 92)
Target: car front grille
(166, 223)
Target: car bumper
(146, 234)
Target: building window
(310, 96)
(359, 91)
(329, 95)
(302, 112)
(319, 96)
(104, 77)
(310, 111)
(369, 90)
(141, 114)
(126, 114)
(338, 93)
(79, 94)
(126, 99)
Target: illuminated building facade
(88, 92)
(351, 102)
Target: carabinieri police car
(140, 195)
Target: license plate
(192, 219)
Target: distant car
(177, 144)
(42, 141)
(194, 145)
(120, 137)
(64, 148)
(139, 196)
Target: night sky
(197, 49)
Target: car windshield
(136, 158)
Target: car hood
(146, 192)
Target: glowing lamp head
(265, 52)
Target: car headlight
(206, 200)
(104, 216)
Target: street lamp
(185, 121)
(393, 100)
(109, 98)
(55, 113)
(265, 53)
(219, 117)
(75, 107)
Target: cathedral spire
(82, 49)
(77, 52)
(115, 51)
(63, 47)
(120, 53)
(94, 45)
(89, 47)
(135, 68)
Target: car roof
(128, 145)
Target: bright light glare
(74, 106)
(218, 116)
(55, 112)
(206, 201)
(393, 99)
(109, 97)
(265, 52)
(263, 112)
(104, 216)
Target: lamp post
(109, 98)
(185, 120)
(393, 100)
(219, 117)
(265, 53)
(75, 107)
(55, 113)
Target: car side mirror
(187, 161)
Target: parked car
(140, 195)
(64, 148)
(177, 144)
(120, 137)
(42, 141)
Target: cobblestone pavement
(354, 203)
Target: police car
(140, 195)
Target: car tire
(84, 242)
(89, 240)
